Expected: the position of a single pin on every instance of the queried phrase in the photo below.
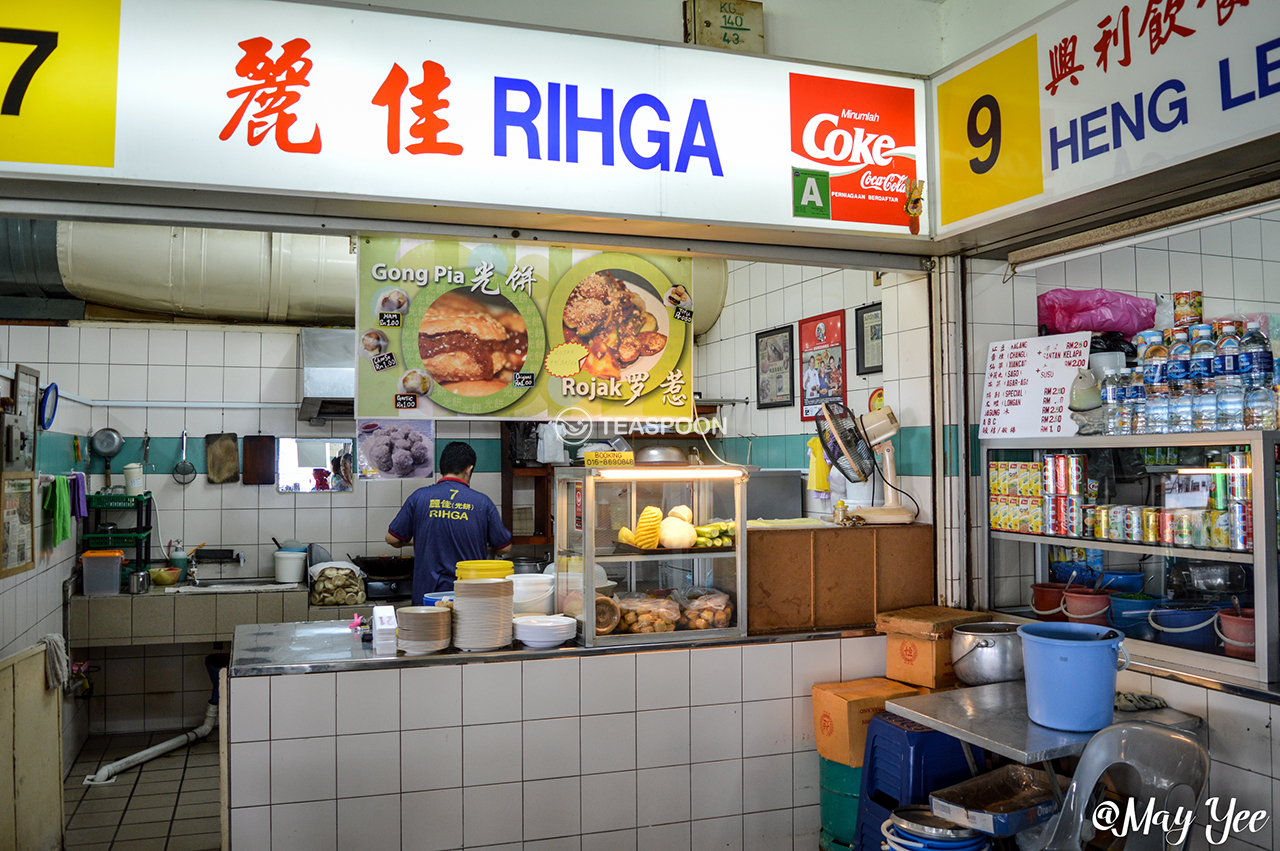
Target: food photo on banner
(821, 362)
(775, 377)
(519, 331)
(396, 448)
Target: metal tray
(1000, 803)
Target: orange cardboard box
(918, 649)
(842, 711)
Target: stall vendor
(446, 523)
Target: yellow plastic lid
(483, 569)
(102, 554)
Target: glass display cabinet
(1170, 538)
(651, 554)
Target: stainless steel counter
(266, 649)
(995, 717)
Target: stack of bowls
(482, 612)
(541, 632)
(535, 593)
(422, 629)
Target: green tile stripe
(488, 453)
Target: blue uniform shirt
(448, 522)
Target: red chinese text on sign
(1062, 65)
(1225, 8)
(272, 91)
(1113, 36)
(1160, 26)
(429, 125)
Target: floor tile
(154, 844)
(199, 842)
(196, 784)
(146, 801)
(88, 836)
(103, 805)
(201, 796)
(200, 771)
(141, 815)
(142, 831)
(186, 827)
(197, 810)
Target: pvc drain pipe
(107, 774)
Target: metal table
(995, 717)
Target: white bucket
(533, 593)
(133, 485)
(290, 567)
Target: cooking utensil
(984, 653)
(259, 459)
(139, 582)
(662, 455)
(277, 543)
(193, 549)
(1070, 579)
(1235, 604)
(146, 448)
(222, 458)
(107, 442)
(184, 472)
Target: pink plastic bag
(1066, 311)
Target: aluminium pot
(984, 653)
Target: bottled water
(1124, 396)
(1259, 408)
(1155, 365)
(1204, 411)
(1202, 351)
(1138, 404)
(1111, 401)
(1255, 357)
(1182, 399)
(1179, 368)
(1226, 356)
(1158, 409)
(1230, 403)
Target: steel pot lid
(921, 821)
(661, 455)
(989, 628)
(107, 442)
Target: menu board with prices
(1029, 385)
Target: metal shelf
(1127, 441)
(717, 553)
(1126, 547)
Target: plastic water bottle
(1226, 356)
(1158, 409)
(1111, 401)
(1230, 403)
(1124, 396)
(1155, 363)
(1255, 357)
(1202, 351)
(1182, 399)
(1179, 357)
(1259, 408)
(1138, 404)
(1204, 413)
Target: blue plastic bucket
(1185, 625)
(1071, 674)
(1123, 581)
(1130, 616)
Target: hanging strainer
(184, 472)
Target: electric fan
(850, 444)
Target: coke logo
(841, 146)
(884, 182)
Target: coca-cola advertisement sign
(856, 144)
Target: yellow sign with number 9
(989, 134)
(58, 63)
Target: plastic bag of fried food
(644, 614)
(703, 608)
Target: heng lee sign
(282, 97)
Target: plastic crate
(101, 571)
(114, 501)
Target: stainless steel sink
(243, 584)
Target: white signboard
(1097, 93)
(351, 103)
(1029, 384)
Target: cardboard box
(842, 711)
(918, 649)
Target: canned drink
(1090, 527)
(1133, 524)
(1091, 489)
(1166, 526)
(1073, 511)
(1188, 308)
(1218, 524)
(1060, 515)
(1199, 531)
(1115, 522)
(1182, 527)
(1048, 470)
(1049, 520)
(1218, 486)
(1102, 522)
(1150, 525)
(1240, 530)
(1060, 477)
(1077, 475)
(1238, 489)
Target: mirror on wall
(315, 465)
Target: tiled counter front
(709, 748)
(166, 618)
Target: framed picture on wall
(870, 341)
(775, 378)
(821, 362)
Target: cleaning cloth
(79, 504)
(1128, 701)
(57, 501)
(818, 467)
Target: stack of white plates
(482, 610)
(541, 632)
(422, 629)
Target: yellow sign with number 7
(58, 62)
(989, 134)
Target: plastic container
(1185, 625)
(133, 485)
(1046, 600)
(179, 560)
(1130, 616)
(839, 786)
(290, 566)
(436, 596)
(1237, 633)
(1084, 605)
(534, 593)
(484, 569)
(101, 572)
(1071, 674)
(1123, 581)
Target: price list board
(1029, 384)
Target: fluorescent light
(670, 473)
(1185, 227)
(1209, 471)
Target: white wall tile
(608, 684)
(862, 657)
(715, 732)
(369, 764)
(608, 743)
(1247, 277)
(1189, 699)
(1244, 789)
(491, 753)
(431, 697)
(251, 827)
(492, 814)
(309, 826)
(608, 802)
(552, 808)
(715, 675)
(431, 759)
(769, 830)
(662, 679)
(662, 737)
(802, 737)
(491, 693)
(805, 780)
(551, 688)
(766, 727)
(723, 834)
(552, 748)
(303, 770)
(1239, 732)
(813, 662)
(250, 778)
(303, 706)
(662, 795)
(766, 783)
(433, 819)
(369, 822)
(766, 671)
(716, 788)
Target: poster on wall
(521, 331)
(821, 362)
(396, 449)
(1028, 386)
(775, 379)
(869, 329)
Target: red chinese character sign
(1028, 386)
(822, 369)
(272, 93)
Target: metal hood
(326, 374)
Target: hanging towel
(57, 501)
(79, 504)
(818, 467)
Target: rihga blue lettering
(699, 121)
(575, 124)
(504, 116)
(660, 158)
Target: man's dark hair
(456, 458)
